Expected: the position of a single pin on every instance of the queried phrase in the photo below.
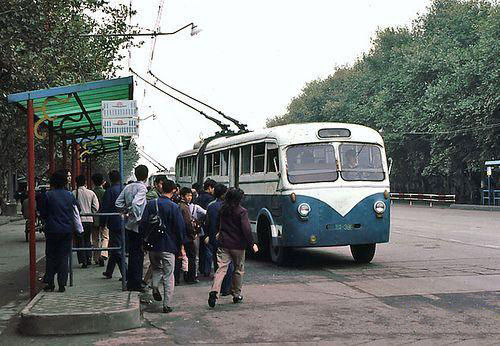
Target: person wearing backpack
(162, 227)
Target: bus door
(234, 179)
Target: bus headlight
(379, 208)
(304, 209)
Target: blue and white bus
(306, 185)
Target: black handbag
(154, 231)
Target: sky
(250, 59)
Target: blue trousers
(57, 252)
(115, 258)
(135, 261)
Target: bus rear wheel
(363, 253)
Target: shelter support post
(30, 140)
(52, 164)
(73, 164)
(78, 161)
(64, 149)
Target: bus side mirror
(275, 161)
(390, 164)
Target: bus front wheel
(363, 253)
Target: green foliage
(435, 78)
(40, 47)
(106, 163)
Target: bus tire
(363, 253)
(279, 254)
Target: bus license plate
(341, 227)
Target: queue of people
(186, 233)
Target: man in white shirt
(132, 201)
(88, 203)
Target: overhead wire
(240, 126)
(224, 127)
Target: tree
(432, 88)
(40, 47)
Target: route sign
(119, 118)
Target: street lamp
(194, 31)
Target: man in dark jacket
(59, 210)
(211, 225)
(114, 224)
(204, 198)
(166, 242)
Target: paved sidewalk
(6, 219)
(92, 305)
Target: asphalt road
(436, 282)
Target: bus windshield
(361, 162)
(311, 163)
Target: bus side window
(272, 155)
(209, 164)
(258, 157)
(245, 159)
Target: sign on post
(119, 118)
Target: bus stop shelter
(492, 194)
(72, 115)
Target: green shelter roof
(75, 110)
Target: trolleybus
(306, 185)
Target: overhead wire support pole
(240, 126)
(224, 127)
(194, 31)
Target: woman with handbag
(164, 233)
(234, 237)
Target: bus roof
(294, 134)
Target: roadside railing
(121, 248)
(495, 197)
(425, 197)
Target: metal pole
(122, 256)
(120, 160)
(30, 136)
(52, 164)
(73, 164)
(64, 153)
(78, 162)
(71, 264)
(489, 190)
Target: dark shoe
(84, 265)
(212, 298)
(167, 309)
(156, 294)
(49, 288)
(137, 289)
(107, 276)
(193, 282)
(61, 289)
(237, 299)
(101, 262)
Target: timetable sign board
(119, 118)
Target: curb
(475, 207)
(99, 320)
